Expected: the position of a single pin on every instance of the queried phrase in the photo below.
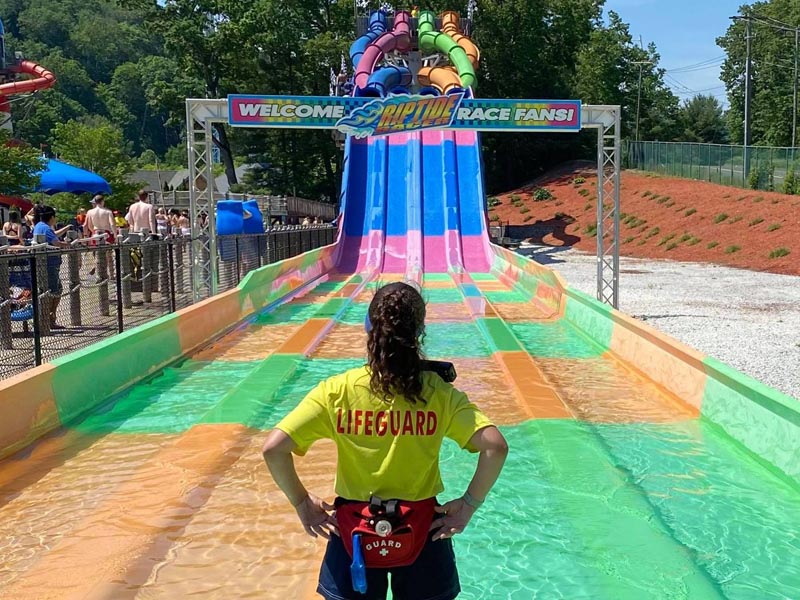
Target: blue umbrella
(61, 177)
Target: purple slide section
(397, 39)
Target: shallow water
(162, 493)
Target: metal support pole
(747, 96)
(102, 278)
(74, 267)
(5, 306)
(171, 263)
(794, 101)
(118, 283)
(179, 265)
(163, 268)
(46, 298)
(238, 260)
(147, 273)
(37, 311)
(125, 267)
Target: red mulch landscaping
(665, 218)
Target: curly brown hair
(394, 342)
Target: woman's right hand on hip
(317, 517)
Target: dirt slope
(664, 217)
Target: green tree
(772, 53)
(20, 166)
(97, 145)
(702, 119)
(608, 73)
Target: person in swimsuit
(12, 229)
(388, 419)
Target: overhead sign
(362, 117)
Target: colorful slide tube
(377, 26)
(432, 41)
(399, 38)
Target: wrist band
(472, 501)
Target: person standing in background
(141, 214)
(100, 220)
(45, 218)
(12, 229)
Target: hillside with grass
(660, 217)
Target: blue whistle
(358, 570)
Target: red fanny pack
(393, 532)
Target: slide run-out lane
(613, 489)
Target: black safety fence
(57, 300)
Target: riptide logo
(265, 111)
(398, 114)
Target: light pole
(641, 64)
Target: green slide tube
(430, 40)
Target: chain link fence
(717, 163)
(57, 300)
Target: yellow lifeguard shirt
(389, 449)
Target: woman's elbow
(277, 443)
(500, 447)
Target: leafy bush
(754, 179)
(712, 245)
(494, 201)
(690, 212)
(666, 239)
(579, 180)
(732, 249)
(735, 219)
(791, 183)
(494, 217)
(583, 192)
(588, 206)
(779, 252)
(528, 218)
(515, 200)
(758, 199)
(693, 241)
(542, 194)
(774, 227)
(628, 240)
(653, 232)
(524, 210)
(646, 194)
(590, 230)
(756, 221)
(720, 217)
(669, 204)
(685, 237)
(671, 246)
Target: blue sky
(684, 32)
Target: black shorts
(433, 576)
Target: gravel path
(747, 319)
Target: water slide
(639, 467)
(39, 78)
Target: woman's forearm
(490, 463)
(281, 465)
